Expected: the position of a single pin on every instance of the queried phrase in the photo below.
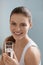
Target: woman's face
(19, 25)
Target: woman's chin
(18, 37)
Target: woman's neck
(22, 41)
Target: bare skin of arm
(32, 56)
(5, 59)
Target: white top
(24, 51)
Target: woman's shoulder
(33, 55)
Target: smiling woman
(18, 26)
(25, 50)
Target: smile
(17, 33)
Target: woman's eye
(13, 23)
(23, 25)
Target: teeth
(17, 33)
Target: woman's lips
(17, 33)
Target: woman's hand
(9, 61)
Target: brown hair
(22, 10)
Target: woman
(26, 51)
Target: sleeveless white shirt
(24, 51)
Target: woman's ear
(30, 25)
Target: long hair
(22, 10)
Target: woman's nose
(17, 28)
